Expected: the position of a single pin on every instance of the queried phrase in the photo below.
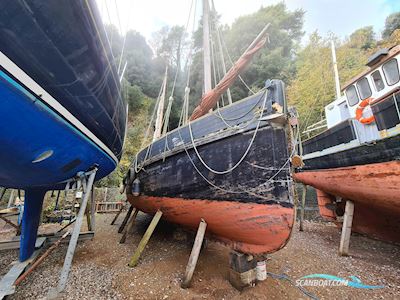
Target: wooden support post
(128, 214)
(346, 229)
(194, 255)
(117, 215)
(145, 239)
(303, 204)
(130, 226)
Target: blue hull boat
(61, 109)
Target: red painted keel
(375, 190)
(246, 227)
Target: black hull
(384, 150)
(172, 168)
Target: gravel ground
(100, 268)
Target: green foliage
(307, 70)
(391, 24)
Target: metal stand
(194, 255)
(11, 199)
(86, 180)
(346, 229)
(145, 239)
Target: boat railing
(314, 127)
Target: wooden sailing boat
(357, 157)
(230, 167)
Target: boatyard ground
(100, 268)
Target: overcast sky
(339, 16)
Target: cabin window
(378, 81)
(363, 88)
(391, 71)
(351, 95)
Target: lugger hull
(235, 176)
(375, 190)
(245, 227)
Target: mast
(221, 53)
(206, 47)
(335, 70)
(160, 108)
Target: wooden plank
(130, 226)
(146, 237)
(15, 243)
(7, 286)
(128, 214)
(346, 229)
(194, 255)
(303, 204)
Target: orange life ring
(359, 112)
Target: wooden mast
(221, 52)
(206, 48)
(160, 109)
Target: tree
(275, 61)
(391, 24)
(363, 38)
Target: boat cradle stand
(19, 269)
(85, 180)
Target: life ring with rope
(359, 112)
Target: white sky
(339, 16)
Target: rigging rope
(245, 153)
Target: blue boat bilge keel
(60, 103)
(30, 221)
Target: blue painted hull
(61, 110)
(29, 128)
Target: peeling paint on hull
(375, 189)
(245, 227)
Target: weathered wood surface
(129, 228)
(194, 255)
(346, 229)
(145, 239)
(7, 286)
(128, 214)
(117, 215)
(303, 205)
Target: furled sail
(209, 99)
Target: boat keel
(30, 221)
